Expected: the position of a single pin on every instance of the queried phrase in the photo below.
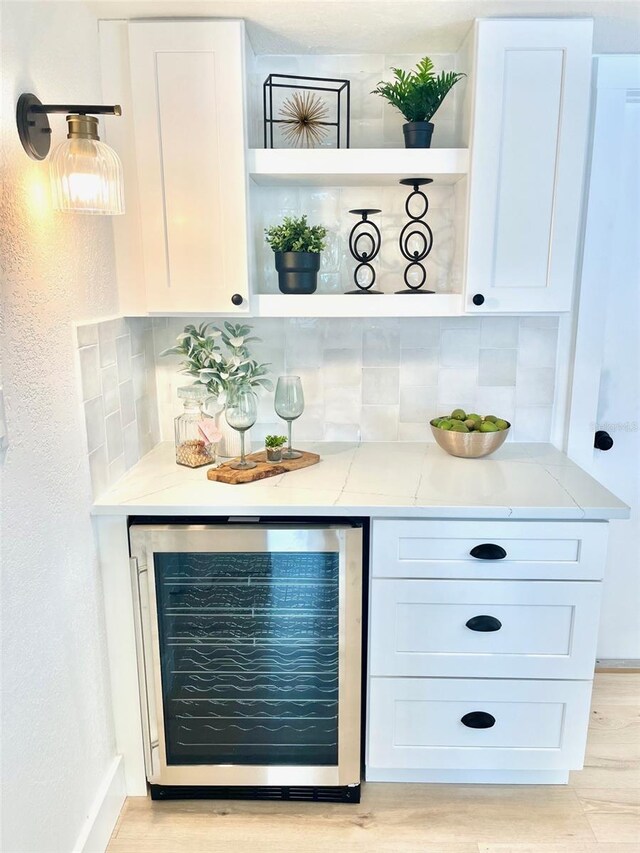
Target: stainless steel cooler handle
(141, 657)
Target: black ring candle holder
(416, 231)
(364, 245)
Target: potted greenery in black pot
(297, 248)
(418, 95)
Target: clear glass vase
(193, 447)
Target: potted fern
(297, 248)
(418, 95)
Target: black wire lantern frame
(341, 88)
(418, 229)
(368, 231)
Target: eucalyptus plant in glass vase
(219, 359)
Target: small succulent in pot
(297, 246)
(418, 95)
(273, 445)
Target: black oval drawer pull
(488, 552)
(484, 623)
(478, 720)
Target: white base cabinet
(481, 651)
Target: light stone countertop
(385, 479)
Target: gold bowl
(469, 445)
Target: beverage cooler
(249, 658)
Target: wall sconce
(86, 174)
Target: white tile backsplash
(377, 379)
(369, 380)
(117, 368)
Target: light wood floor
(599, 812)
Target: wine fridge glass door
(254, 635)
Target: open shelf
(346, 305)
(355, 167)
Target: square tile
(117, 469)
(123, 357)
(136, 333)
(417, 403)
(380, 385)
(419, 366)
(127, 402)
(497, 367)
(420, 332)
(381, 347)
(342, 405)
(131, 445)
(110, 391)
(94, 422)
(99, 471)
(456, 382)
(87, 334)
(536, 386)
(499, 332)
(341, 432)
(414, 432)
(459, 347)
(342, 367)
(138, 375)
(379, 423)
(89, 372)
(113, 427)
(532, 423)
(106, 344)
(537, 347)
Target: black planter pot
(297, 271)
(417, 134)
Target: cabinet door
(528, 153)
(188, 105)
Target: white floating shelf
(355, 167)
(347, 305)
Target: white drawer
(552, 550)
(417, 723)
(541, 629)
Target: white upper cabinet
(531, 111)
(186, 145)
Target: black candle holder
(368, 231)
(418, 229)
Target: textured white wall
(57, 740)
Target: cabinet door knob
(602, 440)
(237, 299)
(478, 720)
(484, 624)
(478, 299)
(488, 551)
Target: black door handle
(488, 551)
(484, 624)
(478, 720)
(237, 299)
(478, 299)
(602, 440)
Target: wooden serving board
(225, 474)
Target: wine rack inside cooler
(249, 656)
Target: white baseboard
(469, 777)
(105, 809)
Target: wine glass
(289, 405)
(241, 414)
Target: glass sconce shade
(86, 177)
